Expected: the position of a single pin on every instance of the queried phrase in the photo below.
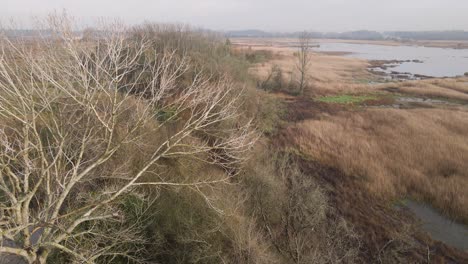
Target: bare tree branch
(68, 107)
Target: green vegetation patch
(347, 99)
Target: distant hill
(429, 35)
(358, 35)
(362, 34)
(249, 33)
(352, 35)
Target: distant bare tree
(67, 108)
(303, 59)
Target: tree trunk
(301, 86)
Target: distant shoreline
(288, 42)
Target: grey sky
(273, 15)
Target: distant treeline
(354, 35)
(360, 35)
(430, 35)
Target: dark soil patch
(304, 108)
(387, 235)
(392, 89)
(387, 100)
(381, 68)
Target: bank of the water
(438, 226)
(416, 60)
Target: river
(427, 61)
(438, 226)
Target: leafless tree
(303, 59)
(67, 107)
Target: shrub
(85, 127)
(294, 214)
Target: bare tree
(303, 59)
(68, 107)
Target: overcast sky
(272, 15)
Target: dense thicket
(138, 146)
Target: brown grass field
(284, 42)
(384, 153)
(332, 74)
(418, 152)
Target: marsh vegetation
(150, 144)
(165, 144)
(386, 141)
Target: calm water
(437, 62)
(440, 227)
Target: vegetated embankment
(150, 145)
(371, 154)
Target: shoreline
(289, 42)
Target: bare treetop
(68, 108)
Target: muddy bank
(422, 61)
(387, 235)
(438, 226)
(382, 68)
(410, 102)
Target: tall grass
(420, 153)
(366, 157)
(453, 89)
(294, 213)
